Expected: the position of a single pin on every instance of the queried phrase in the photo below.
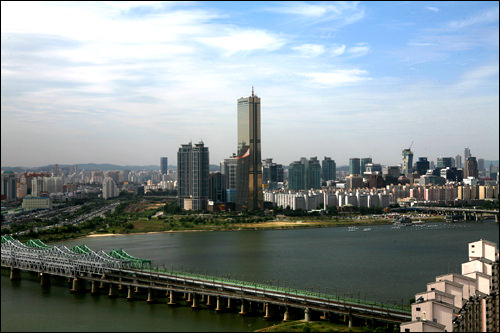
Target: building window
(407, 330)
(417, 309)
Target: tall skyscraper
(249, 167)
(458, 161)
(466, 154)
(407, 165)
(164, 165)
(329, 169)
(354, 166)
(192, 176)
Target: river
(382, 264)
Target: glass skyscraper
(249, 166)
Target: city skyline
(147, 77)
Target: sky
(129, 82)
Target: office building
(354, 166)
(458, 161)
(228, 168)
(470, 168)
(164, 165)
(328, 169)
(363, 163)
(480, 164)
(407, 159)
(272, 174)
(444, 162)
(422, 165)
(217, 187)
(9, 187)
(467, 153)
(249, 166)
(192, 176)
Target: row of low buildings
(466, 302)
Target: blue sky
(128, 82)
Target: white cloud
(432, 9)
(338, 50)
(359, 50)
(484, 17)
(338, 77)
(309, 50)
(244, 40)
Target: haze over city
(128, 82)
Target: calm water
(382, 264)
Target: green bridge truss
(145, 265)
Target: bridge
(467, 213)
(119, 274)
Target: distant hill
(97, 166)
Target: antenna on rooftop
(252, 91)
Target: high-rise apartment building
(109, 188)
(164, 165)
(480, 164)
(313, 173)
(328, 169)
(249, 166)
(296, 172)
(354, 166)
(407, 159)
(192, 176)
(467, 153)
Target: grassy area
(312, 326)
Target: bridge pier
(15, 274)
(150, 296)
(93, 290)
(208, 300)
(101, 285)
(76, 285)
(129, 294)
(189, 298)
(194, 305)
(242, 310)
(218, 304)
(286, 316)
(307, 314)
(323, 317)
(496, 218)
(110, 292)
(120, 286)
(228, 303)
(44, 279)
(171, 300)
(266, 309)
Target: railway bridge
(119, 274)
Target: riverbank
(271, 225)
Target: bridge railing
(286, 291)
